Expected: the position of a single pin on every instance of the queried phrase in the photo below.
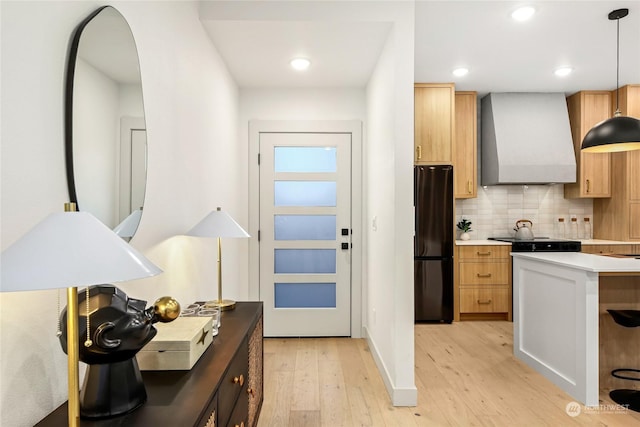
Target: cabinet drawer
(484, 300)
(233, 383)
(483, 253)
(239, 415)
(478, 273)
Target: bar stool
(626, 397)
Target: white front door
(305, 233)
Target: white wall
(389, 211)
(191, 105)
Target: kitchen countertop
(481, 242)
(606, 242)
(582, 261)
(583, 241)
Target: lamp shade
(128, 227)
(619, 133)
(70, 249)
(218, 224)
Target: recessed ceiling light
(459, 72)
(523, 13)
(563, 71)
(300, 64)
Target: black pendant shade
(619, 133)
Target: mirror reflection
(106, 132)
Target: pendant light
(619, 133)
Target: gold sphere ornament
(166, 309)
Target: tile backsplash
(497, 208)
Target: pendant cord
(618, 68)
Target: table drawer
(483, 253)
(484, 299)
(478, 273)
(233, 383)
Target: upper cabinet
(434, 123)
(465, 163)
(616, 218)
(586, 109)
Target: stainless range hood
(526, 139)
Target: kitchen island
(559, 314)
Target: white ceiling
(502, 55)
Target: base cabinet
(224, 387)
(483, 278)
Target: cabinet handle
(483, 253)
(484, 275)
(239, 380)
(240, 425)
(484, 301)
(251, 392)
(419, 152)
(588, 186)
(469, 187)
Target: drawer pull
(240, 425)
(239, 380)
(484, 301)
(488, 253)
(484, 275)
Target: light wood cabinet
(483, 281)
(465, 164)
(586, 109)
(610, 249)
(433, 123)
(618, 218)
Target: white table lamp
(67, 250)
(219, 224)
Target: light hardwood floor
(465, 373)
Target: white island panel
(556, 323)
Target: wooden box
(178, 344)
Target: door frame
(354, 127)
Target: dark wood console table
(224, 388)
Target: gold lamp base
(225, 304)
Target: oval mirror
(105, 132)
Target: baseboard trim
(399, 396)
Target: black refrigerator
(433, 243)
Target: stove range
(541, 244)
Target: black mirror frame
(68, 104)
